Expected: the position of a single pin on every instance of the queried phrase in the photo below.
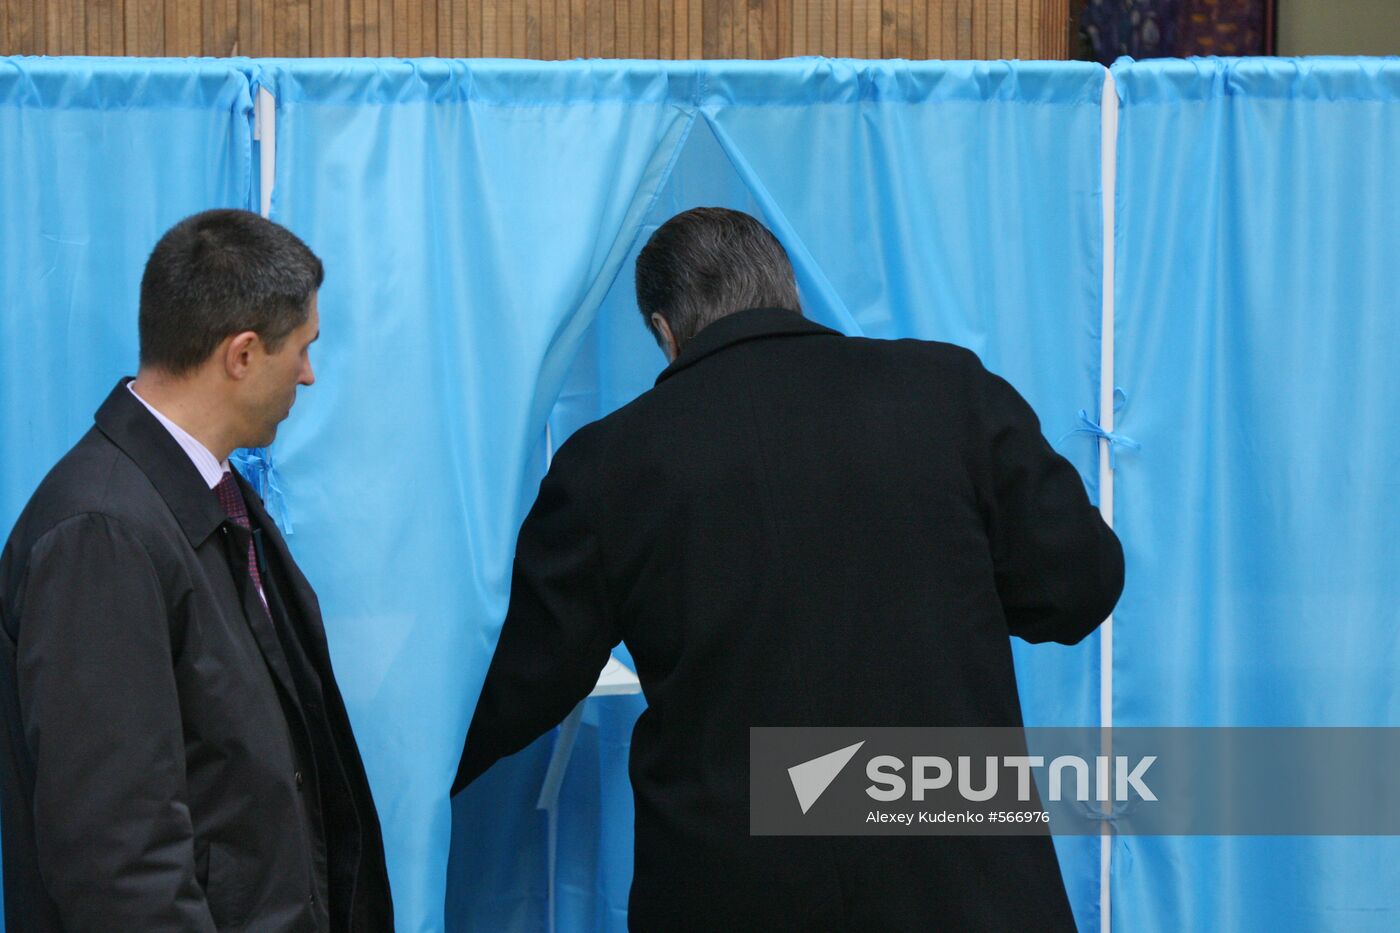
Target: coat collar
(739, 327)
(127, 423)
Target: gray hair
(707, 263)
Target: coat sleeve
(101, 716)
(1058, 566)
(558, 630)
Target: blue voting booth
(1187, 267)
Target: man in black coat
(177, 755)
(796, 528)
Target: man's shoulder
(94, 478)
(919, 366)
(929, 351)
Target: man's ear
(237, 353)
(664, 336)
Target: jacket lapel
(127, 423)
(258, 617)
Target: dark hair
(710, 262)
(218, 273)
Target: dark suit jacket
(797, 528)
(162, 736)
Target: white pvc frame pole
(549, 800)
(1108, 154)
(265, 132)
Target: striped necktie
(231, 498)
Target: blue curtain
(89, 181)
(1257, 340)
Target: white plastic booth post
(1108, 168)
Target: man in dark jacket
(796, 528)
(177, 755)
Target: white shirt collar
(208, 465)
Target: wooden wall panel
(541, 29)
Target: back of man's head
(707, 263)
(218, 273)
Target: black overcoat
(159, 741)
(798, 528)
